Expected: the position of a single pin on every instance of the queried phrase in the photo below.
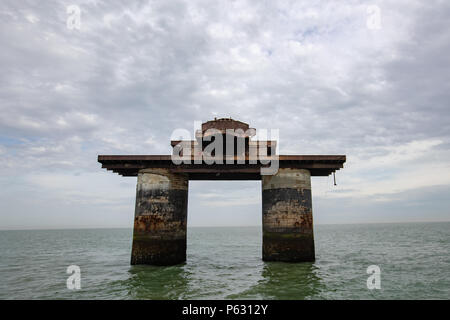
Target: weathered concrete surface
(287, 216)
(159, 236)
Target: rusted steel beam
(224, 177)
(219, 175)
(130, 165)
(231, 167)
(314, 157)
(133, 157)
(339, 158)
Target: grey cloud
(136, 71)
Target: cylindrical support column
(159, 236)
(287, 216)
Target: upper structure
(237, 132)
(234, 132)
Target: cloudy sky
(369, 79)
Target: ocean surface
(225, 263)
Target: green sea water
(225, 263)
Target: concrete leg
(287, 216)
(159, 236)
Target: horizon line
(212, 226)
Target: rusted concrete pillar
(287, 216)
(159, 236)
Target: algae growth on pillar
(159, 235)
(287, 216)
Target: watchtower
(159, 236)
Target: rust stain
(151, 223)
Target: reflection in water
(276, 280)
(155, 282)
(291, 280)
(280, 280)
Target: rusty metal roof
(223, 124)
